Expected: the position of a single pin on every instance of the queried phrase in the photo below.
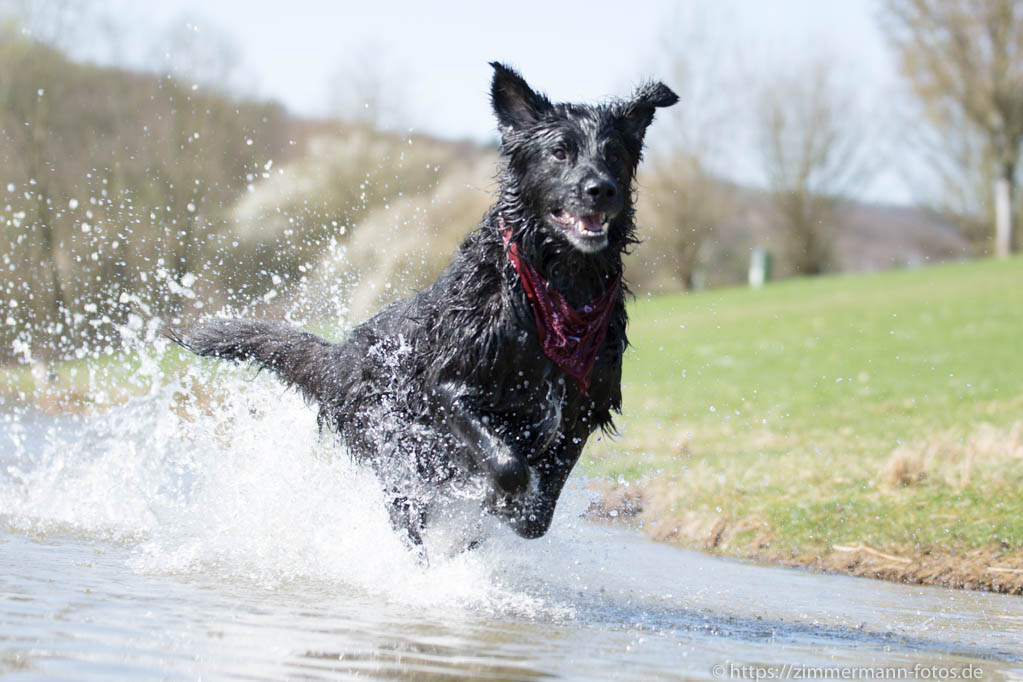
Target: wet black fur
(448, 393)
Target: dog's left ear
(515, 104)
(637, 113)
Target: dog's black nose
(600, 190)
(511, 476)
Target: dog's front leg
(463, 418)
(531, 516)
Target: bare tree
(953, 173)
(681, 205)
(964, 61)
(57, 23)
(194, 51)
(685, 204)
(29, 154)
(811, 151)
(86, 30)
(368, 89)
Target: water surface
(175, 538)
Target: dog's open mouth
(592, 225)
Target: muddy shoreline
(990, 569)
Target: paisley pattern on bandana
(569, 337)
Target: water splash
(221, 472)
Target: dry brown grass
(988, 568)
(950, 456)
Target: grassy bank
(869, 424)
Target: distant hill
(880, 237)
(869, 237)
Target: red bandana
(569, 337)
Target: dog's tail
(300, 359)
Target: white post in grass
(759, 268)
(1003, 218)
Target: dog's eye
(613, 156)
(559, 153)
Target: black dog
(487, 384)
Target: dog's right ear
(515, 104)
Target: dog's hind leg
(409, 519)
(298, 358)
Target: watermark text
(789, 671)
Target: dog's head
(571, 165)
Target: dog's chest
(534, 409)
(536, 399)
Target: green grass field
(880, 409)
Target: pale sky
(436, 53)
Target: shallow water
(187, 539)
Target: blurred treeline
(130, 198)
(133, 197)
(114, 183)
